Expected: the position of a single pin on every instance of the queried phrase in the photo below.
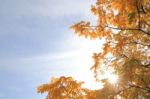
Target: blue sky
(36, 44)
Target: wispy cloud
(36, 44)
(52, 8)
(32, 26)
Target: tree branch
(135, 29)
(117, 28)
(141, 88)
(139, 18)
(123, 90)
(68, 94)
(135, 42)
(146, 66)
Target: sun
(83, 63)
(111, 76)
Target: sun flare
(83, 71)
(111, 76)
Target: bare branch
(146, 66)
(126, 28)
(139, 87)
(135, 29)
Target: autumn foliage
(125, 25)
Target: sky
(36, 44)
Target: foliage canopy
(125, 25)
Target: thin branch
(68, 94)
(146, 66)
(139, 87)
(117, 28)
(144, 82)
(135, 29)
(139, 18)
(144, 32)
(135, 42)
(123, 90)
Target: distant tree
(125, 25)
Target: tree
(125, 25)
(62, 88)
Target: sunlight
(84, 49)
(85, 61)
(82, 60)
(111, 76)
(90, 82)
